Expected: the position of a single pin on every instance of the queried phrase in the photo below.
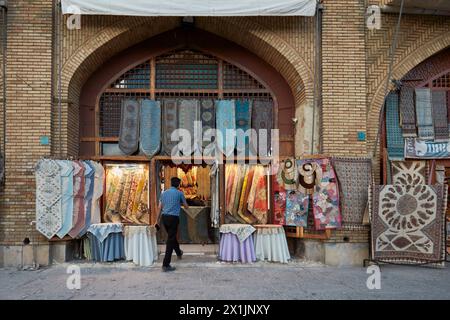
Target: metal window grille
(136, 78)
(442, 82)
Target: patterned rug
(207, 116)
(395, 140)
(424, 114)
(407, 112)
(188, 114)
(408, 223)
(439, 106)
(150, 127)
(279, 202)
(409, 172)
(262, 119)
(355, 177)
(297, 206)
(78, 198)
(243, 122)
(129, 127)
(287, 174)
(170, 123)
(225, 119)
(48, 197)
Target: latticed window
(183, 74)
(442, 82)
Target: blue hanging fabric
(243, 122)
(150, 127)
(226, 125)
(395, 140)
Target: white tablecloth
(271, 244)
(140, 245)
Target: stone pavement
(205, 278)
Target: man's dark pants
(170, 223)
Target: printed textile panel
(48, 197)
(129, 127)
(408, 223)
(354, 176)
(409, 172)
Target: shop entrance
(197, 185)
(172, 68)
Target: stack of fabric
(246, 193)
(127, 194)
(67, 196)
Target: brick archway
(428, 52)
(125, 33)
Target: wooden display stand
(299, 233)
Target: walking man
(169, 212)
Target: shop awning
(191, 7)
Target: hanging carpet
(188, 115)
(355, 177)
(395, 140)
(408, 223)
(287, 174)
(262, 119)
(78, 198)
(208, 118)
(129, 127)
(170, 124)
(67, 196)
(243, 122)
(150, 127)
(226, 126)
(89, 193)
(297, 205)
(409, 172)
(439, 107)
(48, 197)
(279, 202)
(424, 114)
(407, 112)
(99, 179)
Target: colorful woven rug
(243, 121)
(279, 202)
(150, 127)
(409, 172)
(309, 175)
(287, 174)
(260, 208)
(48, 197)
(188, 115)
(355, 177)
(129, 127)
(262, 119)
(407, 112)
(439, 106)
(170, 124)
(424, 114)
(226, 125)
(297, 205)
(395, 140)
(327, 213)
(408, 223)
(208, 117)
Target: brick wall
(28, 112)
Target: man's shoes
(167, 269)
(181, 255)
